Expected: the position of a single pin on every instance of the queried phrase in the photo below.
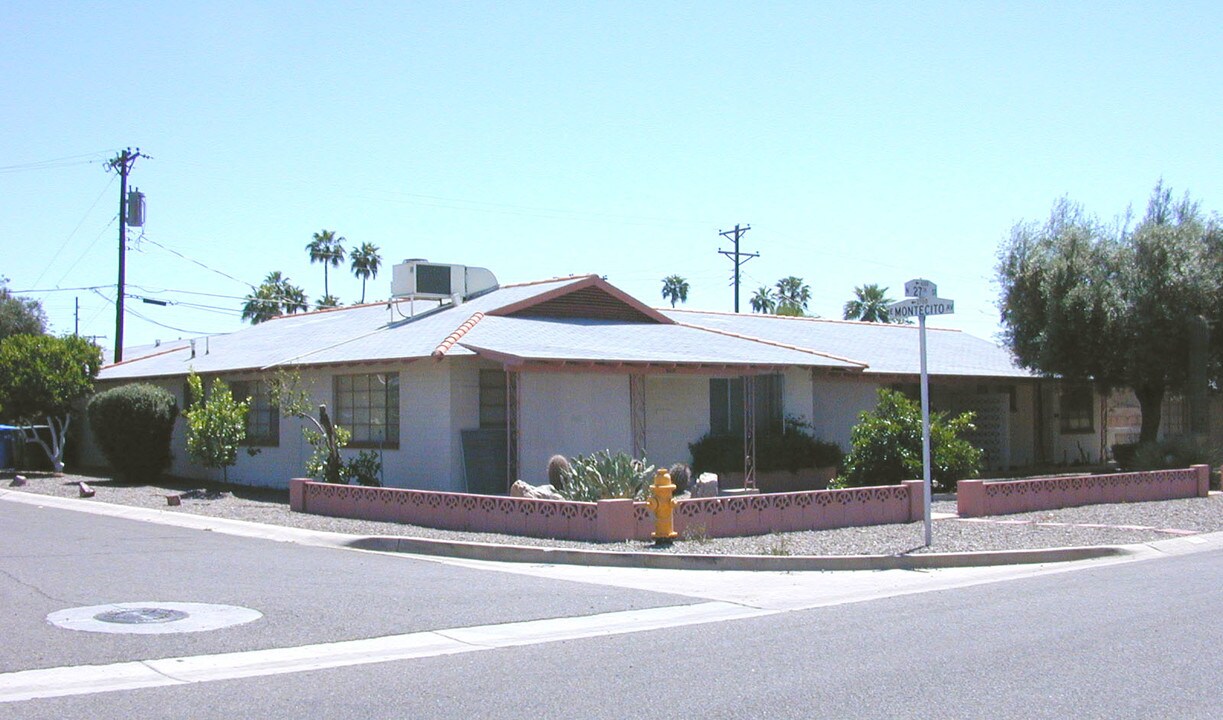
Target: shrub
(364, 469)
(792, 449)
(1180, 452)
(887, 445)
(216, 425)
(133, 425)
(603, 475)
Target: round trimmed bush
(132, 425)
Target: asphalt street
(1123, 638)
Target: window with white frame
(368, 406)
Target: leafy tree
(792, 296)
(328, 249)
(18, 315)
(44, 377)
(870, 304)
(1119, 307)
(325, 437)
(675, 289)
(764, 301)
(274, 297)
(216, 425)
(365, 264)
(133, 425)
(886, 445)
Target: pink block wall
(975, 498)
(612, 520)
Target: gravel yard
(1091, 525)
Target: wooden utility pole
(122, 163)
(738, 257)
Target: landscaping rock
(84, 489)
(527, 490)
(173, 500)
(202, 494)
(705, 486)
(18, 481)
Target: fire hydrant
(663, 506)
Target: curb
(594, 558)
(782, 563)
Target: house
(469, 390)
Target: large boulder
(705, 486)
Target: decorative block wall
(983, 497)
(612, 520)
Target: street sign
(920, 288)
(916, 307)
(922, 300)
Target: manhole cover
(150, 618)
(138, 616)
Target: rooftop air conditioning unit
(423, 280)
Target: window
(492, 398)
(263, 419)
(368, 407)
(726, 405)
(1076, 408)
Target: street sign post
(923, 300)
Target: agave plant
(604, 475)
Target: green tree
(328, 301)
(764, 301)
(792, 296)
(886, 445)
(326, 248)
(44, 377)
(325, 437)
(870, 304)
(365, 263)
(18, 315)
(1118, 307)
(216, 424)
(274, 297)
(675, 289)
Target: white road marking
(89, 679)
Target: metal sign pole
(925, 428)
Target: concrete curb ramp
(779, 563)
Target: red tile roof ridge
(774, 343)
(167, 351)
(444, 347)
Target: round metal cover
(139, 616)
(152, 617)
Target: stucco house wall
(570, 414)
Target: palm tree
(365, 263)
(327, 301)
(764, 301)
(870, 304)
(675, 289)
(328, 249)
(792, 296)
(274, 296)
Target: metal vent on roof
(423, 280)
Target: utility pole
(122, 163)
(76, 316)
(738, 257)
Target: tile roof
(882, 348)
(535, 323)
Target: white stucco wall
(677, 413)
(836, 405)
(570, 414)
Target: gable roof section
(883, 348)
(591, 297)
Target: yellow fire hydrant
(663, 506)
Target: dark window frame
(263, 417)
(1076, 409)
(726, 405)
(363, 403)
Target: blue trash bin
(8, 433)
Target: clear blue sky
(863, 142)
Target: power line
(197, 262)
(734, 235)
(68, 239)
